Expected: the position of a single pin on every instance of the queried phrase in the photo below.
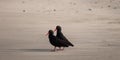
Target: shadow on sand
(33, 50)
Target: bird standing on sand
(61, 36)
(56, 42)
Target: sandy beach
(91, 25)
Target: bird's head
(58, 28)
(50, 32)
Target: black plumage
(56, 42)
(61, 36)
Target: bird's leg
(59, 48)
(54, 48)
(63, 48)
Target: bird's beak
(46, 34)
(55, 30)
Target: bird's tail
(72, 45)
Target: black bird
(56, 42)
(61, 36)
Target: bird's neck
(58, 31)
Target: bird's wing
(62, 42)
(65, 39)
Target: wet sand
(95, 34)
(22, 38)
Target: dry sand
(93, 26)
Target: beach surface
(93, 27)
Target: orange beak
(55, 30)
(46, 34)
